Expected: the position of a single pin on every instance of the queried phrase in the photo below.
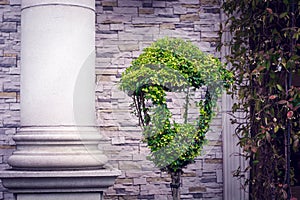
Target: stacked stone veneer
(10, 14)
(123, 29)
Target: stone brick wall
(9, 80)
(123, 29)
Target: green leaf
(279, 87)
(282, 15)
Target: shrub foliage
(173, 65)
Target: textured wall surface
(10, 18)
(123, 29)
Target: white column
(232, 159)
(57, 156)
(57, 87)
(232, 186)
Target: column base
(57, 148)
(58, 185)
(61, 196)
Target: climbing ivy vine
(173, 65)
(264, 54)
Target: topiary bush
(174, 65)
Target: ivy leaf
(269, 10)
(282, 102)
(290, 106)
(296, 144)
(279, 87)
(259, 69)
(276, 128)
(253, 149)
(272, 97)
(268, 136)
(290, 114)
(284, 194)
(296, 107)
(255, 162)
(282, 15)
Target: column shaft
(57, 87)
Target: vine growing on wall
(264, 54)
(178, 66)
